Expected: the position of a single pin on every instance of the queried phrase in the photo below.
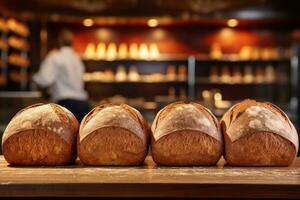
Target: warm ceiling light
(88, 22)
(232, 22)
(152, 22)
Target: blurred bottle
(206, 96)
(108, 75)
(133, 51)
(171, 73)
(90, 50)
(154, 51)
(255, 54)
(245, 53)
(237, 75)
(265, 53)
(121, 73)
(270, 74)
(213, 74)
(182, 73)
(101, 51)
(259, 75)
(123, 51)
(216, 51)
(143, 51)
(111, 51)
(225, 75)
(133, 74)
(248, 74)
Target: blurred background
(150, 53)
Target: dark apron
(77, 107)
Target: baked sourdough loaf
(186, 134)
(258, 133)
(113, 135)
(41, 134)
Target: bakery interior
(151, 53)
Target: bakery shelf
(14, 48)
(241, 61)
(162, 59)
(134, 82)
(20, 94)
(150, 181)
(208, 82)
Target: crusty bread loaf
(113, 135)
(258, 134)
(41, 134)
(186, 134)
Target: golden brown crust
(187, 148)
(37, 147)
(102, 130)
(260, 149)
(36, 127)
(258, 133)
(112, 146)
(186, 134)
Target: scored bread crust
(185, 116)
(103, 128)
(258, 133)
(34, 126)
(186, 134)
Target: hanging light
(152, 22)
(232, 22)
(88, 22)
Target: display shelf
(149, 180)
(18, 28)
(18, 44)
(17, 55)
(162, 58)
(198, 59)
(16, 49)
(134, 82)
(206, 81)
(240, 61)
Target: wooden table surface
(150, 181)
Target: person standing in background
(62, 71)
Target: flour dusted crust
(182, 116)
(258, 133)
(186, 134)
(41, 134)
(113, 135)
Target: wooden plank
(150, 181)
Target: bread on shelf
(185, 134)
(41, 134)
(258, 134)
(113, 135)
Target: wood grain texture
(150, 181)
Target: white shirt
(62, 71)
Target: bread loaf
(258, 133)
(41, 134)
(186, 134)
(113, 135)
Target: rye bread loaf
(258, 134)
(186, 134)
(113, 135)
(41, 134)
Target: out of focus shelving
(14, 48)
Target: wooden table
(150, 181)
